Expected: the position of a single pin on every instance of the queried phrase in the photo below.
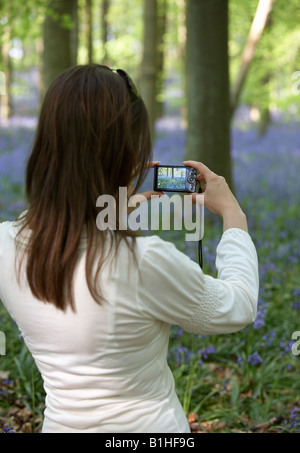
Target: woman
(95, 306)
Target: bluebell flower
(261, 314)
(183, 355)
(295, 304)
(7, 382)
(255, 359)
(206, 351)
(225, 388)
(8, 429)
(286, 347)
(293, 424)
(269, 337)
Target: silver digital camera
(174, 178)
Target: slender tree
(60, 40)
(6, 109)
(161, 30)
(89, 30)
(6, 99)
(181, 51)
(149, 60)
(208, 132)
(105, 4)
(260, 20)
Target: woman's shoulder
(6, 224)
(9, 231)
(5, 228)
(5, 235)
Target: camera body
(174, 178)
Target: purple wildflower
(286, 347)
(293, 424)
(183, 355)
(295, 304)
(255, 359)
(261, 314)
(225, 383)
(7, 382)
(269, 337)
(206, 351)
(8, 429)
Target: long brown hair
(91, 139)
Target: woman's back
(104, 366)
(101, 365)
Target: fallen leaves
(205, 426)
(16, 418)
(213, 426)
(21, 419)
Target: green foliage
(269, 81)
(277, 56)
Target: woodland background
(218, 54)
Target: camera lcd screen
(171, 178)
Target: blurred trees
(268, 85)
(179, 65)
(60, 38)
(149, 59)
(6, 101)
(208, 133)
(262, 14)
(104, 8)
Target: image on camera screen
(171, 178)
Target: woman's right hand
(218, 198)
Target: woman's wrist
(234, 218)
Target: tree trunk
(181, 51)
(89, 28)
(104, 30)
(5, 94)
(149, 60)
(161, 29)
(208, 132)
(265, 121)
(40, 52)
(74, 31)
(60, 41)
(259, 22)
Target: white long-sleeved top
(104, 367)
